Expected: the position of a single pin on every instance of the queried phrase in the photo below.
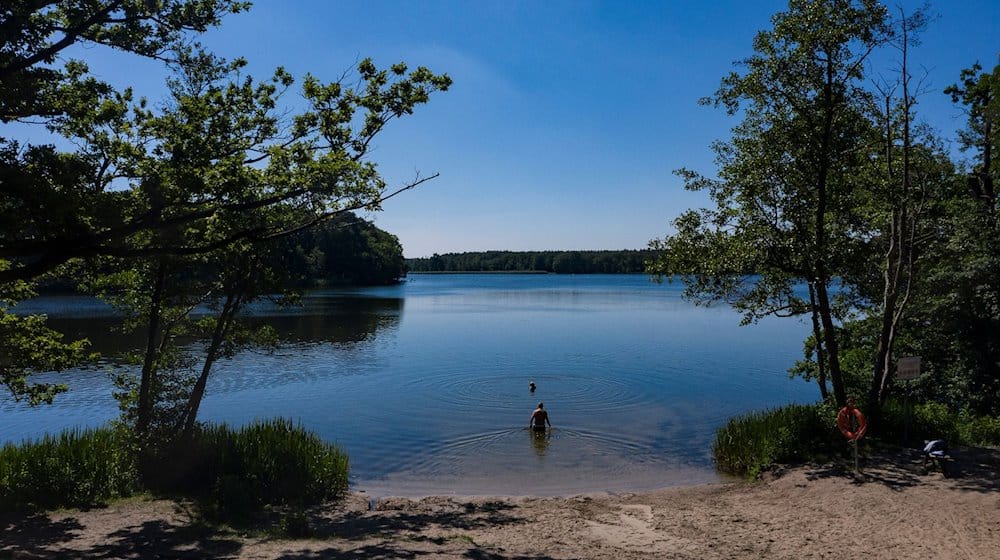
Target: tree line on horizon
(626, 261)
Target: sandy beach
(893, 509)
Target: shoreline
(545, 486)
(894, 509)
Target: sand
(893, 509)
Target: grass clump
(232, 473)
(77, 468)
(749, 444)
(235, 473)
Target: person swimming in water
(539, 418)
(531, 385)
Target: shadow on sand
(969, 469)
(39, 536)
(42, 536)
(396, 517)
(397, 528)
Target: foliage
(221, 162)
(827, 183)
(62, 205)
(749, 444)
(787, 190)
(78, 468)
(236, 472)
(559, 262)
(343, 250)
(232, 473)
(180, 195)
(959, 316)
(27, 345)
(752, 443)
(931, 420)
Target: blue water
(425, 384)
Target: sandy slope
(893, 510)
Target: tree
(786, 187)
(979, 92)
(219, 170)
(222, 164)
(962, 347)
(914, 179)
(343, 250)
(56, 205)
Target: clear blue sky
(566, 118)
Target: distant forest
(560, 262)
(345, 250)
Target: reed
(77, 468)
(749, 444)
(232, 472)
(236, 472)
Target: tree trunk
(222, 325)
(818, 337)
(148, 380)
(830, 339)
(900, 252)
(822, 278)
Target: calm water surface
(425, 384)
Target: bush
(749, 444)
(78, 468)
(979, 430)
(937, 421)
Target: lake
(425, 384)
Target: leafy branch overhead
(179, 190)
(178, 180)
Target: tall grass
(231, 472)
(751, 443)
(77, 468)
(237, 472)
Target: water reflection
(337, 321)
(323, 318)
(437, 402)
(327, 337)
(540, 440)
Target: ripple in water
(580, 392)
(432, 396)
(521, 461)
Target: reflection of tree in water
(327, 319)
(348, 319)
(540, 440)
(350, 323)
(104, 333)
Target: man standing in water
(539, 418)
